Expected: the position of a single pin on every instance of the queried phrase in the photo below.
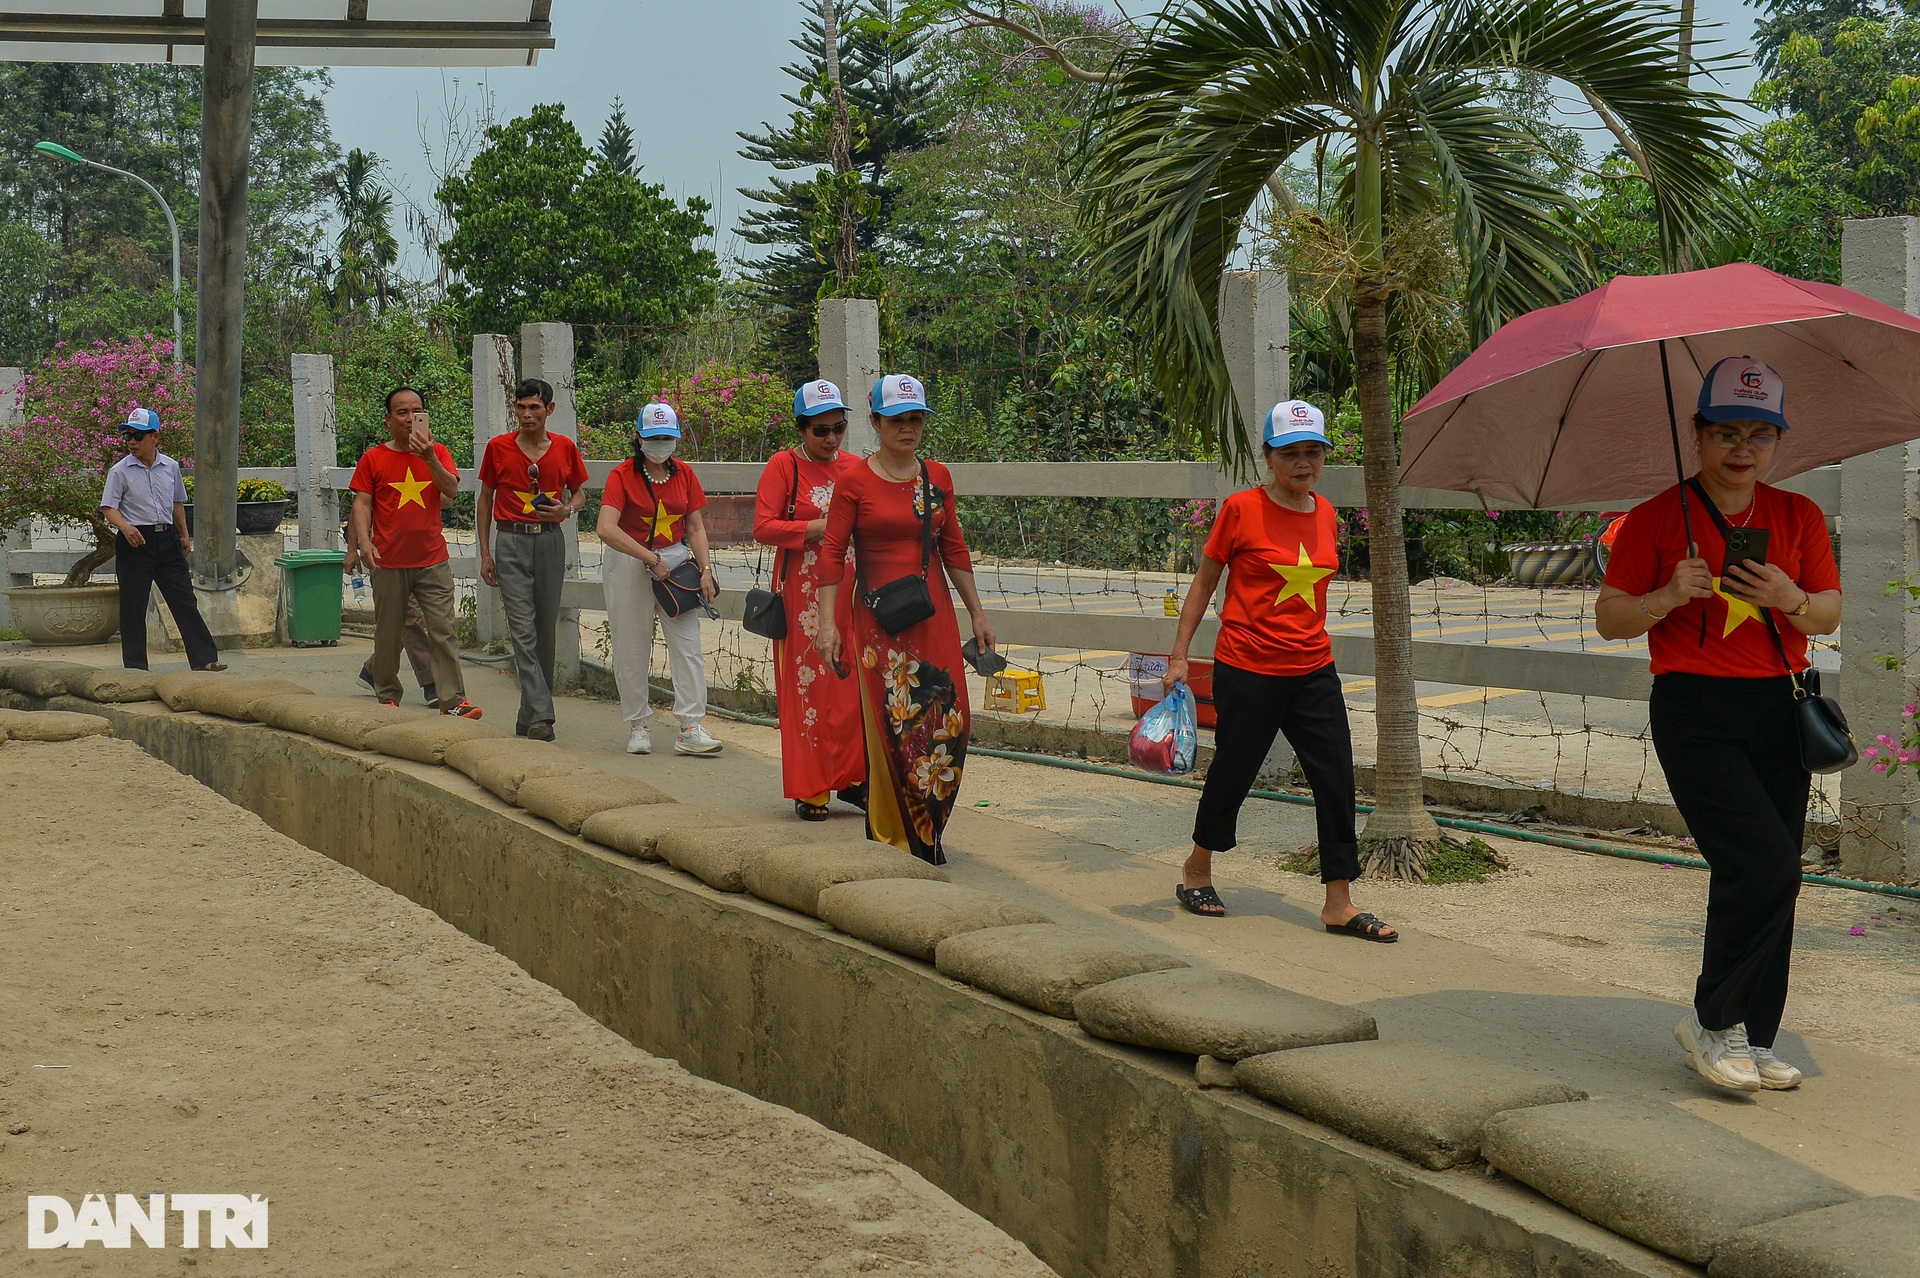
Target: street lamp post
(59, 152)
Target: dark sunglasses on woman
(821, 432)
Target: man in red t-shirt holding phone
(532, 484)
(396, 532)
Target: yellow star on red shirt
(411, 490)
(1301, 578)
(526, 500)
(1738, 609)
(662, 522)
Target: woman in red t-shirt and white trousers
(1722, 712)
(651, 522)
(1273, 665)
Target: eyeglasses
(1761, 440)
(821, 432)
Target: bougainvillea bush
(726, 414)
(54, 459)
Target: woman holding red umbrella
(1723, 636)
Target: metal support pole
(225, 133)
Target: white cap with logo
(817, 396)
(658, 421)
(1294, 421)
(1743, 389)
(897, 393)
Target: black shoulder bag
(1826, 743)
(678, 592)
(764, 614)
(905, 602)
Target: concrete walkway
(1855, 1118)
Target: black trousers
(1312, 713)
(1732, 759)
(160, 563)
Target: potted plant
(261, 506)
(54, 460)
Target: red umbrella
(1581, 402)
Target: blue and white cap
(817, 396)
(897, 393)
(658, 421)
(140, 421)
(1294, 421)
(1742, 389)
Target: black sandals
(1366, 927)
(1203, 901)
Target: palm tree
(363, 275)
(1398, 94)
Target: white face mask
(658, 450)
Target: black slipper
(807, 812)
(1364, 926)
(856, 795)
(212, 666)
(1194, 901)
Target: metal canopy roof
(338, 33)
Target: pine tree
(616, 144)
(889, 100)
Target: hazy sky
(692, 73)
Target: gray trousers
(531, 569)
(432, 589)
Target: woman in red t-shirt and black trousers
(1722, 712)
(1273, 666)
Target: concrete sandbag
(636, 831)
(717, 858)
(1043, 965)
(1428, 1104)
(44, 677)
(424, 738)
(795, 876)
(1655, 1173)
(175, 688)
(1207, 1011)
(50, 725)
(1867, 1238)
(232, 698)
(503, 774)
(115, 685)
(342, 720)
(569, 800)
(912, 916)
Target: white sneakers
(695, 740)
(1775, 1074)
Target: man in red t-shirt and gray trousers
(531, 484)
(397, 490)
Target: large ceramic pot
(1563, 563)
(257, 518)
(66, 614)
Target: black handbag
(765, 614)
(678, 592)
(1826, 743)
(905, 602)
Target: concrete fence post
(1256, 341)
(850, 359)
(546, 352)
(316, 450)
(1880, 822)
(493, 380)
(19, 537)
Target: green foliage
(543, 234)
(26, 259)
(615, 152)
(362, 272)
(726, 413)
(260, 490)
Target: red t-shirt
(406, 505)
(1274, 618)
(679, 496)
(1736, 643)
(503, 468)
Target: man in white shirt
(146, 502)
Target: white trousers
(630, 612)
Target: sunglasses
(822, 432)
(1731, 439)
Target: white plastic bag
(1167, 737)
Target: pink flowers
(1856, 930)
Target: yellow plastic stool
(1017, 691)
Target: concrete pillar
(225, 132)
(546, 352)
(1880, 816)
(493, 382)
(850, 359)
(19, 537)
(315, 449)
(1255, 339)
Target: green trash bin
(310, 592)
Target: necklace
(1281, 502)
(1752, 504)
(898, 479)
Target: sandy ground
(196, 1004)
